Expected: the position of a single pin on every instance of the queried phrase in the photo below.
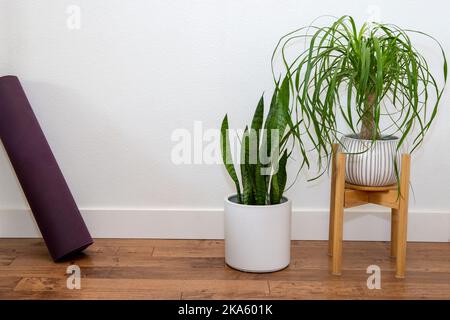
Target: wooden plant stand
(345, 195)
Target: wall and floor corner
(110, 92)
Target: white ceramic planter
(257, 238)
(370, 164)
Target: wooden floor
(195, 269)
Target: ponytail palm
(374, 78)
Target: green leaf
(282, 174)
(260, 191)
(258, 117)
(247, 193)
(279, 179)
(274, 191)
(277, 120)
(226, 155)
(258, 180)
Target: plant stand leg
(394, 232)
(332, 201)
(403, 217)
(401, 244)
(338, 219)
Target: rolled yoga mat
(45, 188)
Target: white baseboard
(424, 226)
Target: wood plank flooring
(195, 269)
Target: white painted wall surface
(110, 94)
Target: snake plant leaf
(246, 175)
(274, 190)
(267, 149)
(226, 155)
(278, 183)
(282, 173)
(283, 95)
(259, 182)
(283, 117)
(284, 103)
(276, 122)
(258, 116)
(260, 191)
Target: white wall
(109, 95)
(4, 56)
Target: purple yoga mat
(45, 188)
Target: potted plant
(371, 80)
(258, 216)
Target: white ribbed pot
(370, 164)
(257, 238)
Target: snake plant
(262, 170)
(374, 78)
